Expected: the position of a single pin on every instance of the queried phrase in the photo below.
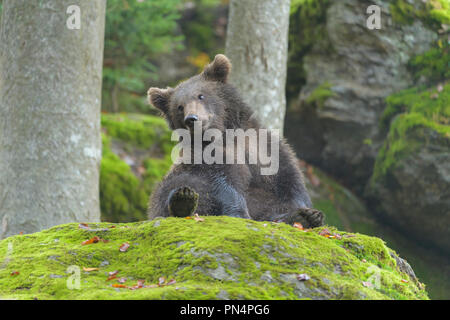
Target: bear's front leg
(182, 202)
(308, 217)
(231, 201)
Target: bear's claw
(313, 217)
(183, 202)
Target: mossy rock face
(411, 180)
(340, 73)
(217, 258)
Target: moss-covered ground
(217, 258)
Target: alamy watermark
(374, 20)
(240, 147)
(73, 22)
(73, 281)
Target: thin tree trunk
(50, 89)
(257, 43)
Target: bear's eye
(201, 97)
(180, 108)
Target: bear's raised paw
(183, 202)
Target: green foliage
(136, 32)
(307, 27)
(414, 112)
(221, 256)
(320, 95)
(125, 189)
(198, 29)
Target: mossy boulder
(411, 180)
(216, 258)
(339, 75)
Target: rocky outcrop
(201, 258)
(411, 181)
(350, 70)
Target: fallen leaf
(124, 247)
(122, 280)
(118, 285)
(112, 227)
(151, 286)
(303, 277)
(90, 241)
(338, 236)
(90, 269)
(349, 235)
(197, 218)
(325, 233)
(21, 233)
(188, 218)
(172, 281)
(364, 260)
(83, 226)
(112, 275)
(404, 281)
(367, 284)
(298, 225)
(15, 273)
(139, 285)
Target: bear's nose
(190, 119)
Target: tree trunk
(50, 89)
(257, 43)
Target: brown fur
(220, 189)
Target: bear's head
(206, 97)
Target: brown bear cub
(238, 190)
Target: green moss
(416, 111)
(122, 198)
(307, 28)
(434, 65)
(125, 190)
(320, 94)
(139, 130)
(433, 13)
(222, 255)
(156, 169)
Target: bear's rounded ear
(159, 98)
(218, 70)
